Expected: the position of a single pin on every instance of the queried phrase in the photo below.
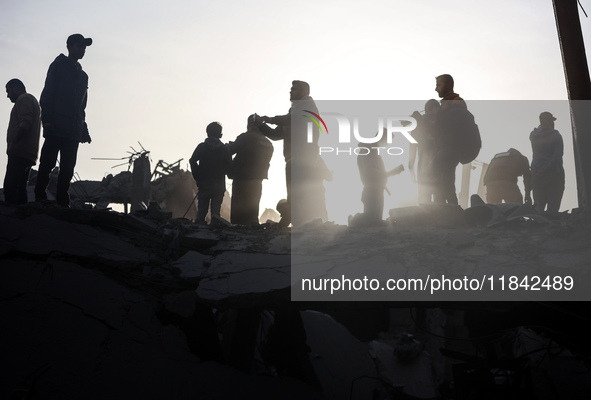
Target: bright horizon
(159, 72)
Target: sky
(160, 71)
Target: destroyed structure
(99, 304)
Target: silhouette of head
(214, 130)
(282, 206)
(444, 84)
(14, 88)
(431, 107)
(76, 45)
(299, 89)
(547, 119)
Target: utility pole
(578, 86)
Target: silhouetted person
(22, 141)
(283, 209)
(249, 167)
(374, 177)
(501, 176)
(63, 104)
(301, 158)
(546, 166)
(425, 135)
(446, 159)
(210, 163)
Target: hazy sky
(160, 71)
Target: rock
(245, 275)
(44, 235)
(192, 264)
(199, 239)
(338, 358)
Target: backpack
(464, 132)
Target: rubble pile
(110, 305)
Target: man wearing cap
(546, 166)
(63, 104)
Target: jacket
(547, 148)
(507, 167)
(210, 163)
(63, 100)
(292, 128)
(253, 155)
(24, 127)
(447, 126)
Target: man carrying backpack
(446, 159)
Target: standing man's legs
(446, 185)
(68, 155)
(426, 191)
(49, 151)
(555, 192)
(217, 197)
(246, 196)
(15, 180)
(237, 202)
(255, 192)
(203, 198)
(540, 192)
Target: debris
(459, 240)
(192, 265)
(413, 378)
(339, 359)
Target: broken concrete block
(200, 239)
(443, 214)
(234, 244)
(192, 264)
(408, 215)
(476, 200)
(156, 213)
(245, 278)
(339, 358)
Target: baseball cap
(78, 38)
(547, 117)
